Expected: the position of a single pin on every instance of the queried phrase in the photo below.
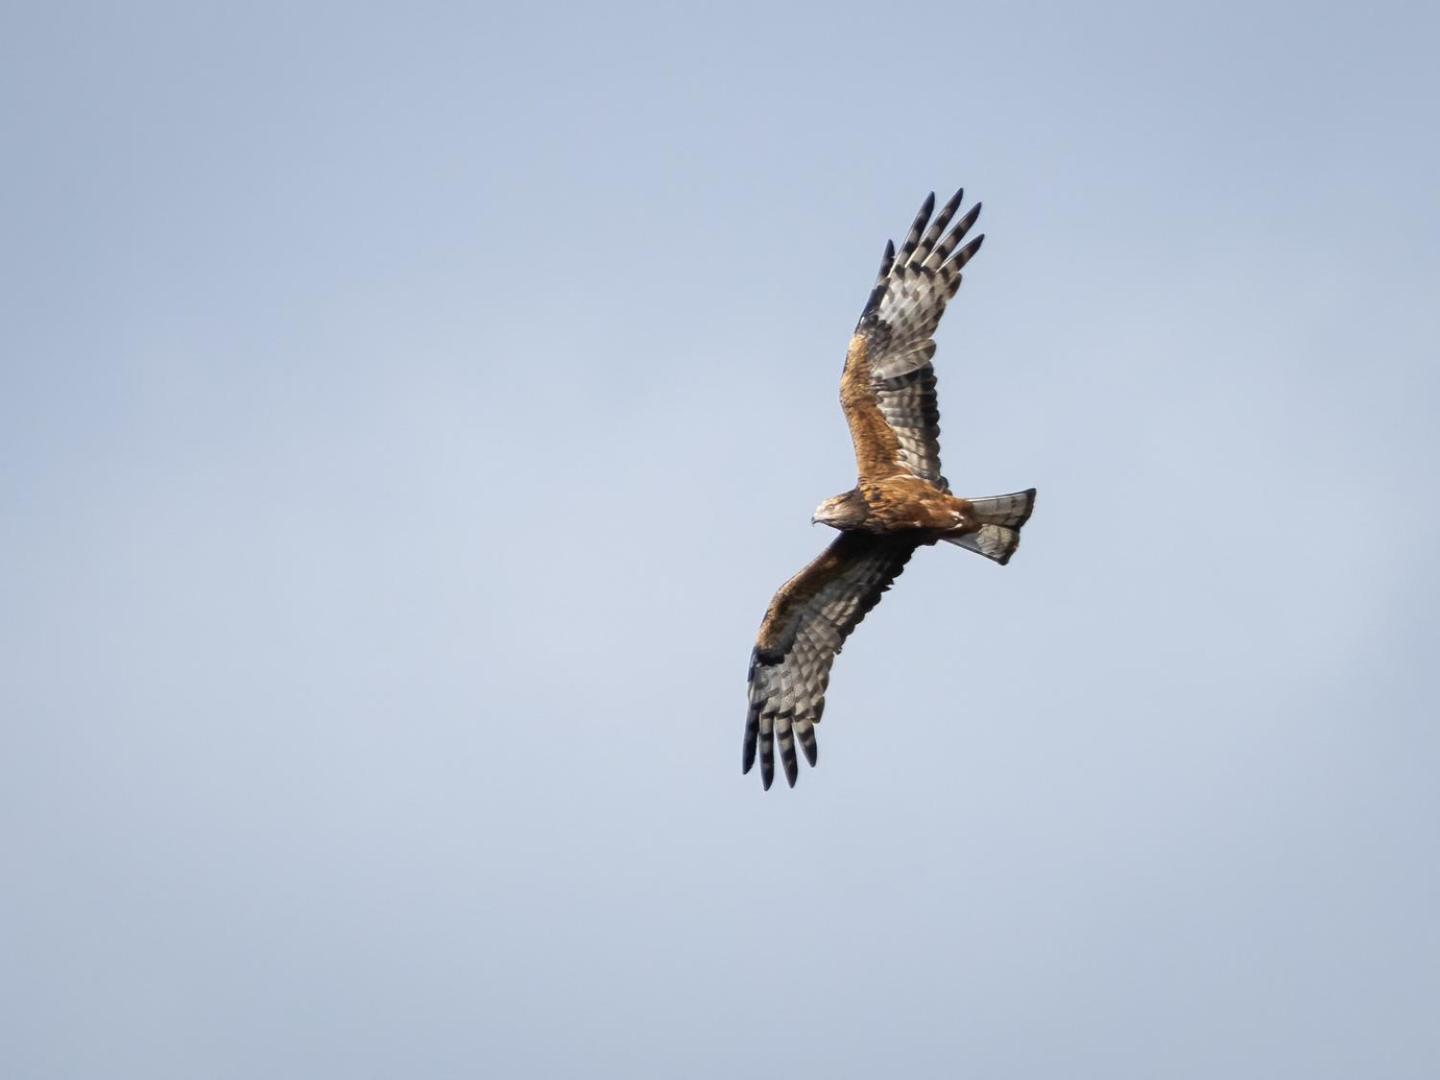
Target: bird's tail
(1000, 518)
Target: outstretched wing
(807, 623)
(888, 386)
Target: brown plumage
(900, 500)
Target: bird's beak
(814, 520)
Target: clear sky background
(406, 415)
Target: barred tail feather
(1000, 517)
(993, 541)
(1010, 510)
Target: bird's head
(842, 512)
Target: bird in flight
(899, 503)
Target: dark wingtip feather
(872, 303)
(952, 239)
(937, 227)
(968, 252)
(886, 261)
(912, 238)
(946, 213)
(965, 224)
(812, 750)
(767, 757)
(752, 730)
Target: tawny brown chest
(899, 503)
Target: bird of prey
(899, 503)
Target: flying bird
(900, 501)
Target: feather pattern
(900, 500)
(804, 629)
(888, 386)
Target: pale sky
(406, 415)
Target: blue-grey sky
(406, 415)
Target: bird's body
(897, 503)
(900, 501)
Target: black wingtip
(887, 261)
(872, 302)
(912, 238)
(968, 252)
(922, 218)
(966, 223)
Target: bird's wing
(804, 628)
(888, 386)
